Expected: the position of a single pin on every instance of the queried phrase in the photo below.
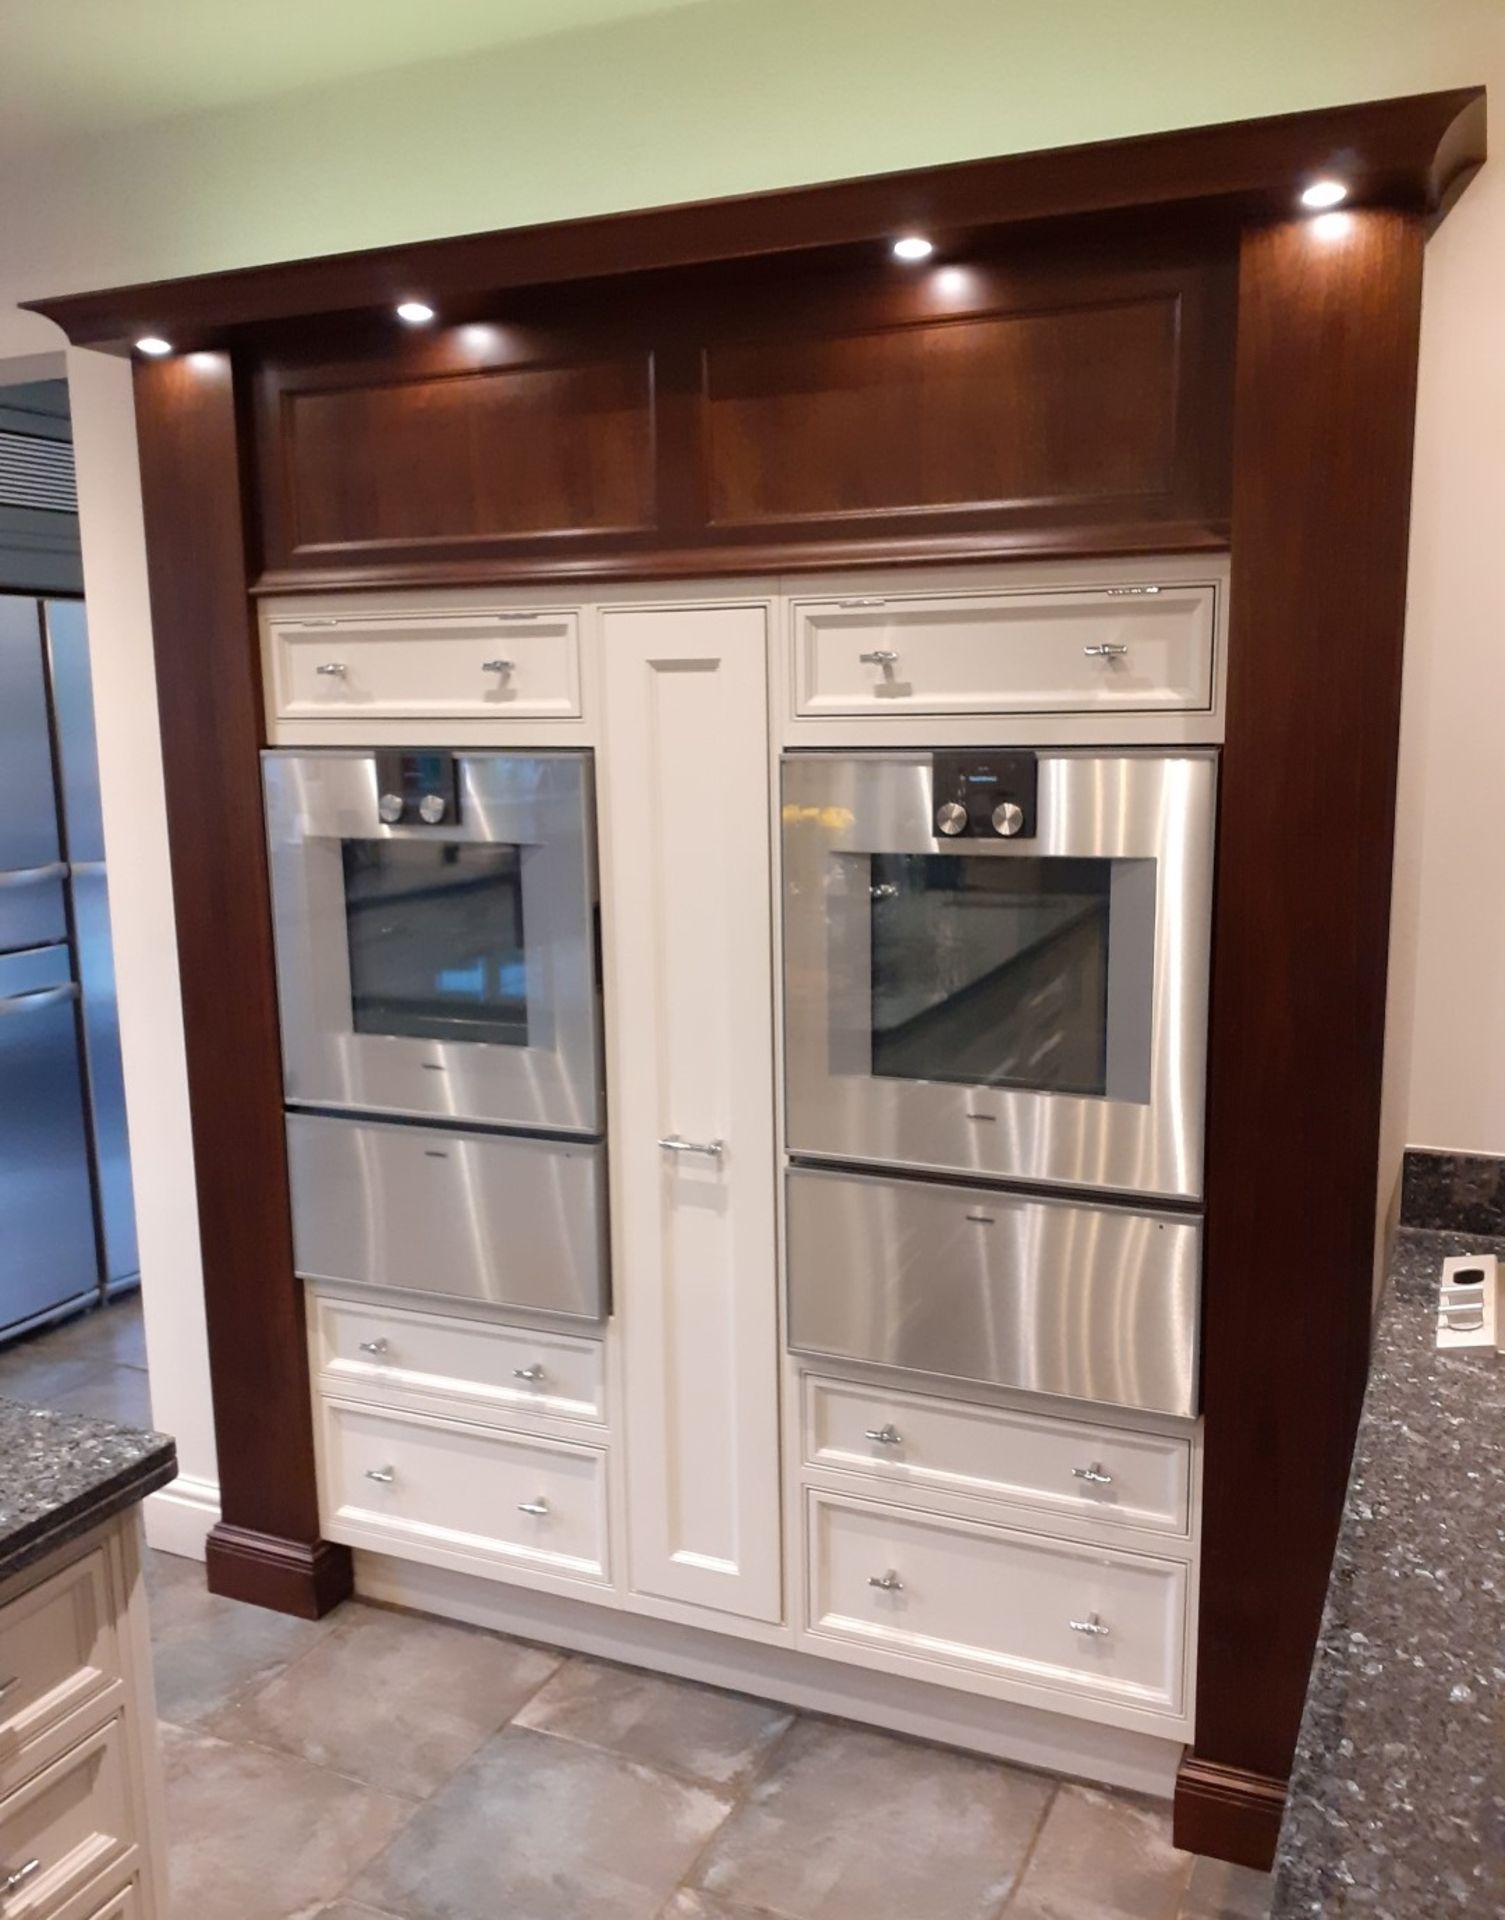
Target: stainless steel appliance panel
(32, 911)
(967, 1283)
(501, 1220)
(48, 1256)
(540, 806)
(1138, 828)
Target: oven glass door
(449, 970)
(1029, 1009)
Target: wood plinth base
(301, 1577)
(1228, 1813)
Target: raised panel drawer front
(58, 1651)
(125, 1905)
(1043, 1612)
(1068, 1467)
(459, 1497)
(470, 1368)
(65, 1825)
(427, 664)
(1132, 649)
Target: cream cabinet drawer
(468, 1369)
(65, 1826)
(1048, 1613)
(426, 664)
(929, 1446)
(125, 1905)
(456, 1496)
(1129, 650)
(58, 1652)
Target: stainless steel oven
(435, 922)
(996, 964)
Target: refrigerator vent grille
(37, 473)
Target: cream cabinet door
(690, 1075)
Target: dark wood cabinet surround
(1125, 348)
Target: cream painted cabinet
(686, 892)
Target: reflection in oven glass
(435, 932)
(991, 972)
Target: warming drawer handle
(1091, 1626)
(43, 997)
(1093, 1474)
(34, 876)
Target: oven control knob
(431, 809)
(951, 817)
(1008, 818)
(389, 806)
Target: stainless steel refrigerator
(67, 1226)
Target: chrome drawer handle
(531, 1374)
(1094, 1474)
(886, 1582)
(1105, 650)
(538, 1508)
(676, 1143)
(1125, 593)
(13, 1882)
(888, 1435)
(1091, 1625)
(383, 1476)
(879, 657)
(885, 890)
(332, 669)
(498, 666)
(374, 1346)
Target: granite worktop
(1397, 1801)
(61, 1474)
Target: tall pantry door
(689, 1010)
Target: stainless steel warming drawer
(1095, 1302)
(505, 1220)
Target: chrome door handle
(34, 876)
(531, 1374)
(373, 1346)
(676, 1143)
(1091, 1625)
(498, 666)
(1094, 1474)
(539, 1508)
(13, 1882)
(886, 1582)
(888, 1435)
(879, 657)
(1105, 650)
(383, 1476)
(43, 997)
(332, 669)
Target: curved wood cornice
(1414, 153)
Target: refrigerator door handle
(35, 876)
(43, 997)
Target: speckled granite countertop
(1397, 1802)
(61, 1474)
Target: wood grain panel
(454, 458)
(267, 1548)
(1004, 410)
(1329, 319)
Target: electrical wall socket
(1467, 1305)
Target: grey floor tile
(397, 1701)
(688, 1904)
(206, 1650)
(712, 1738)
(348, 1910)
(852, 1825)
(1103, 1856)
(1217, 1891)
(543, 1829)
(260, 1836)
(121, 1394)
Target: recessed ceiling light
(914, 246)
(416, 312)
(1324, 193)
(154, 344)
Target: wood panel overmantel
(1130, 347)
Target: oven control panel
(984, 795)
(416, 788)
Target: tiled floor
(380, 1766)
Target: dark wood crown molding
(1414, 154)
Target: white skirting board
(178, 1518)
(1023, 1735)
